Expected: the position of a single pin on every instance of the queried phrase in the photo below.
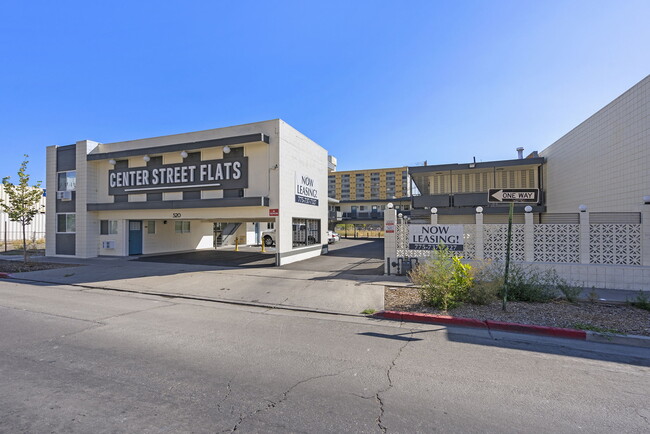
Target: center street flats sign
(208, 175)
(430, 237)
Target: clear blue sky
(376, 83)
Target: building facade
(454, 191)
(189, 191)
(363, 194)
(603, 163)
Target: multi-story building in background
(363, 194)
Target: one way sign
(517, 195)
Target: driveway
(348, 256)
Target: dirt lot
(20, 266)
(596, 316)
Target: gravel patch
(601, 317)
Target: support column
(529, 236)
(478, 227)
(645, 232)
(584, 235)
(434, 216)
(390, 240)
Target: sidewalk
(318, 291)
(313, 290)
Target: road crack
(226, 396)
(378, 397)
(283, 397)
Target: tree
(22, 202)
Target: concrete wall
(299, 156)
(603, 162)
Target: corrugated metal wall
(13, 230)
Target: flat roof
(481, 165)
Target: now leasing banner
(430, 237)
(306, 190)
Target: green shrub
(444, 281)
(526, 283)
(488, 282)
(570, 292)
(642, 301)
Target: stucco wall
(299, 155)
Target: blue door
(135, 237)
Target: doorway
(135, 237)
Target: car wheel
(268, 241)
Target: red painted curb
(492, 325)
(537, 330)
(430, 318)
(5, 275)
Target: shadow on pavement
(219, 258)
(539, 344)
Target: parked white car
(268, 238)
(332, 237)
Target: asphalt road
(75, 360)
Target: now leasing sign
(306, 190)
(430, 237)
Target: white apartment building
(189, 191)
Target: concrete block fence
(612, 256)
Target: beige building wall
(603, 163)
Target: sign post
(508, 242)
(511, 196)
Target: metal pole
(508, 242)
(5, 236)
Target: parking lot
(348, 256)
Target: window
(182, 226)
(107, 227)
(270, 225)
(65, 223)
(66, 181)
(306, 232)
(151, 226)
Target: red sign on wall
(274, 212)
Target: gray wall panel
(66, 158)
(65, 244)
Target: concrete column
(390, 240)
(645, 235)
(50, 202)
(584, 237)
(434, 218)
(529, 238)
(87, 237)
(479, 236)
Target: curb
(582, 335)
(5, 276)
